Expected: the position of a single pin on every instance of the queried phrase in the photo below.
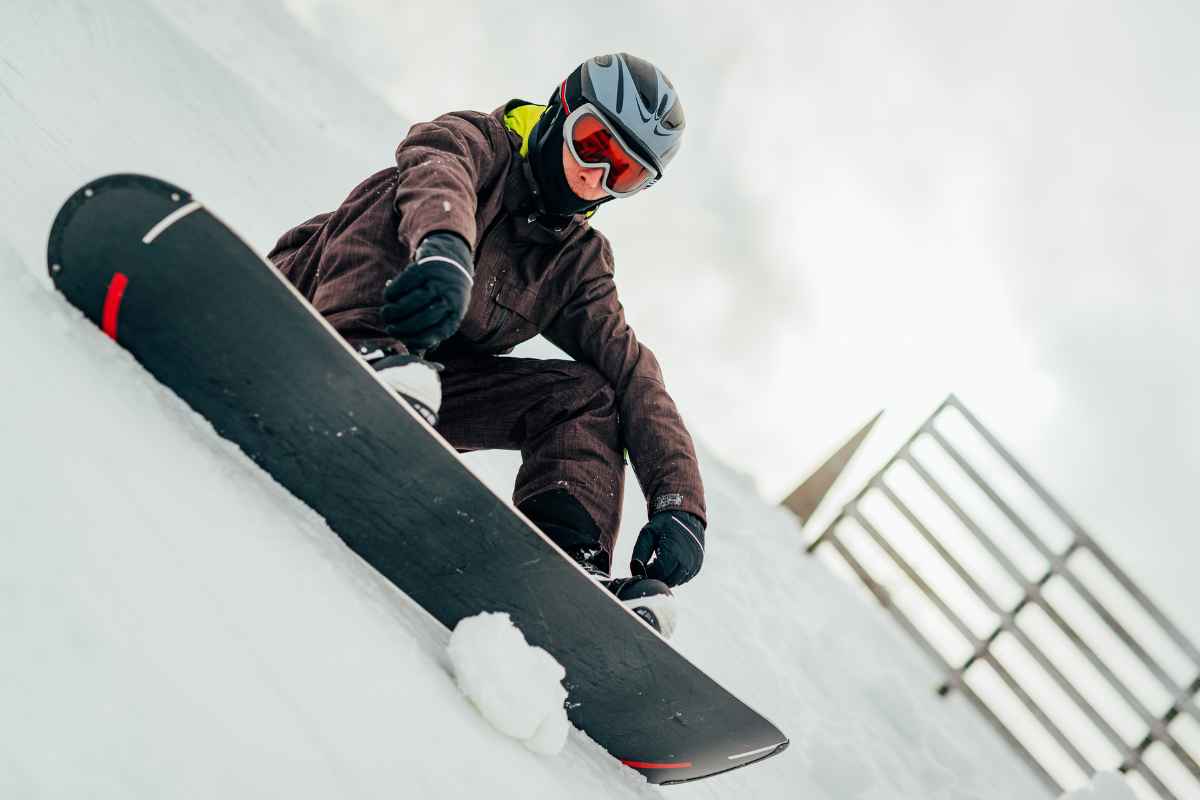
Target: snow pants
(561, 415)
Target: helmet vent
(645, 78)
(674, 120)
(636, 97)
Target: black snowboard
(219, 326)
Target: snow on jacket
(464, 172)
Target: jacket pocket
(522, 303)
(515, 316)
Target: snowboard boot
(565, 521)
(412, 377)
(650, 599)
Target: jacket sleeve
(442, 166)
(591, 328)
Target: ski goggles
(594, 143)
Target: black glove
(426, 303)
(669, 548)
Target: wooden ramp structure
(807, 497)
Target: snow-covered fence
(1027, 616)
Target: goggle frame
(568, 129)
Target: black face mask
(546, 160)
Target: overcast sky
(877, 205)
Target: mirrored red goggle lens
(595, 144)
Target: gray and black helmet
(633, 96)
(637, 99)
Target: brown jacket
(463, 172)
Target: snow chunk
(1104, 786)
(517, 687)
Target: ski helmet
(639, 100)
(633, 96)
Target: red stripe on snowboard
(112, 303)
(650, 765)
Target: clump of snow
(516, 686)
(1104, 786)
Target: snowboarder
(479, 239)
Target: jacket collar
(520, 189)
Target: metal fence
(1024, 613)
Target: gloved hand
(670, 548)
(426, 302)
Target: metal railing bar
(1033, 593)
(1007, 624)
(1008, 618)
(1159, 732)
(881, 594)
(940, 549)
(1187, 700)
(1184, 699)
(1069, 520)
(1058, 564)
(812, 546)
(982, 651)
(1000, 503)
(1063, 570)
(1143, 599)
(993, 550)
(962, 627)
(1057, 733)
(1014, 572)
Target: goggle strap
(562, 96)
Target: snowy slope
(174, 624)
(177, 625)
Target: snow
(175, 624)
(665, 610)
(1104, 786)
(516, 687)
